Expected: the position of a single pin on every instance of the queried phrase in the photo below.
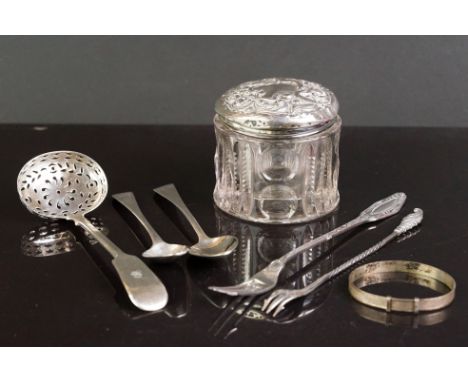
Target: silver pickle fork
(279, 298)
(266, 279)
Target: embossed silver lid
(277, 108)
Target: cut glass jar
(277, 158)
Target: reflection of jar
(277, 151)
(260, 244)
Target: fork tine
(268, 300)
(274, 303)
(278, 310)
(281, 305)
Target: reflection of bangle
(404, 271)
(402, 319)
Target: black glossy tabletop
(74, 298)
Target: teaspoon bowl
(214, 246)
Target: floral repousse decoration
(277, 96)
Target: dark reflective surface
(75, 298)
(404, 320)
(259, 245)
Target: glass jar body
(277, 181)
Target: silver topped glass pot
(277, 158)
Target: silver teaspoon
(267, 278)
(67, 185)
(206, 246)
(159, 248)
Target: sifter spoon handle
(144, 289)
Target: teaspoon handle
(128, 200)
(143, 287)
(170, 193)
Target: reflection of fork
(250, 307)
(245, 307)
(240, 307)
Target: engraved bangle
(403, 271)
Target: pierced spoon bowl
(67, 185)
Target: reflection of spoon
(68, 185)
(206, 246)
(159, 248)
(53, 238)
(241, 308)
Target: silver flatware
(206, 246)
(279, 298)
(266, 279)
(67, 185)
(159, 248)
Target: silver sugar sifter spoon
(67, 185)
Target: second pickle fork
(279, 298)
(159, 248)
